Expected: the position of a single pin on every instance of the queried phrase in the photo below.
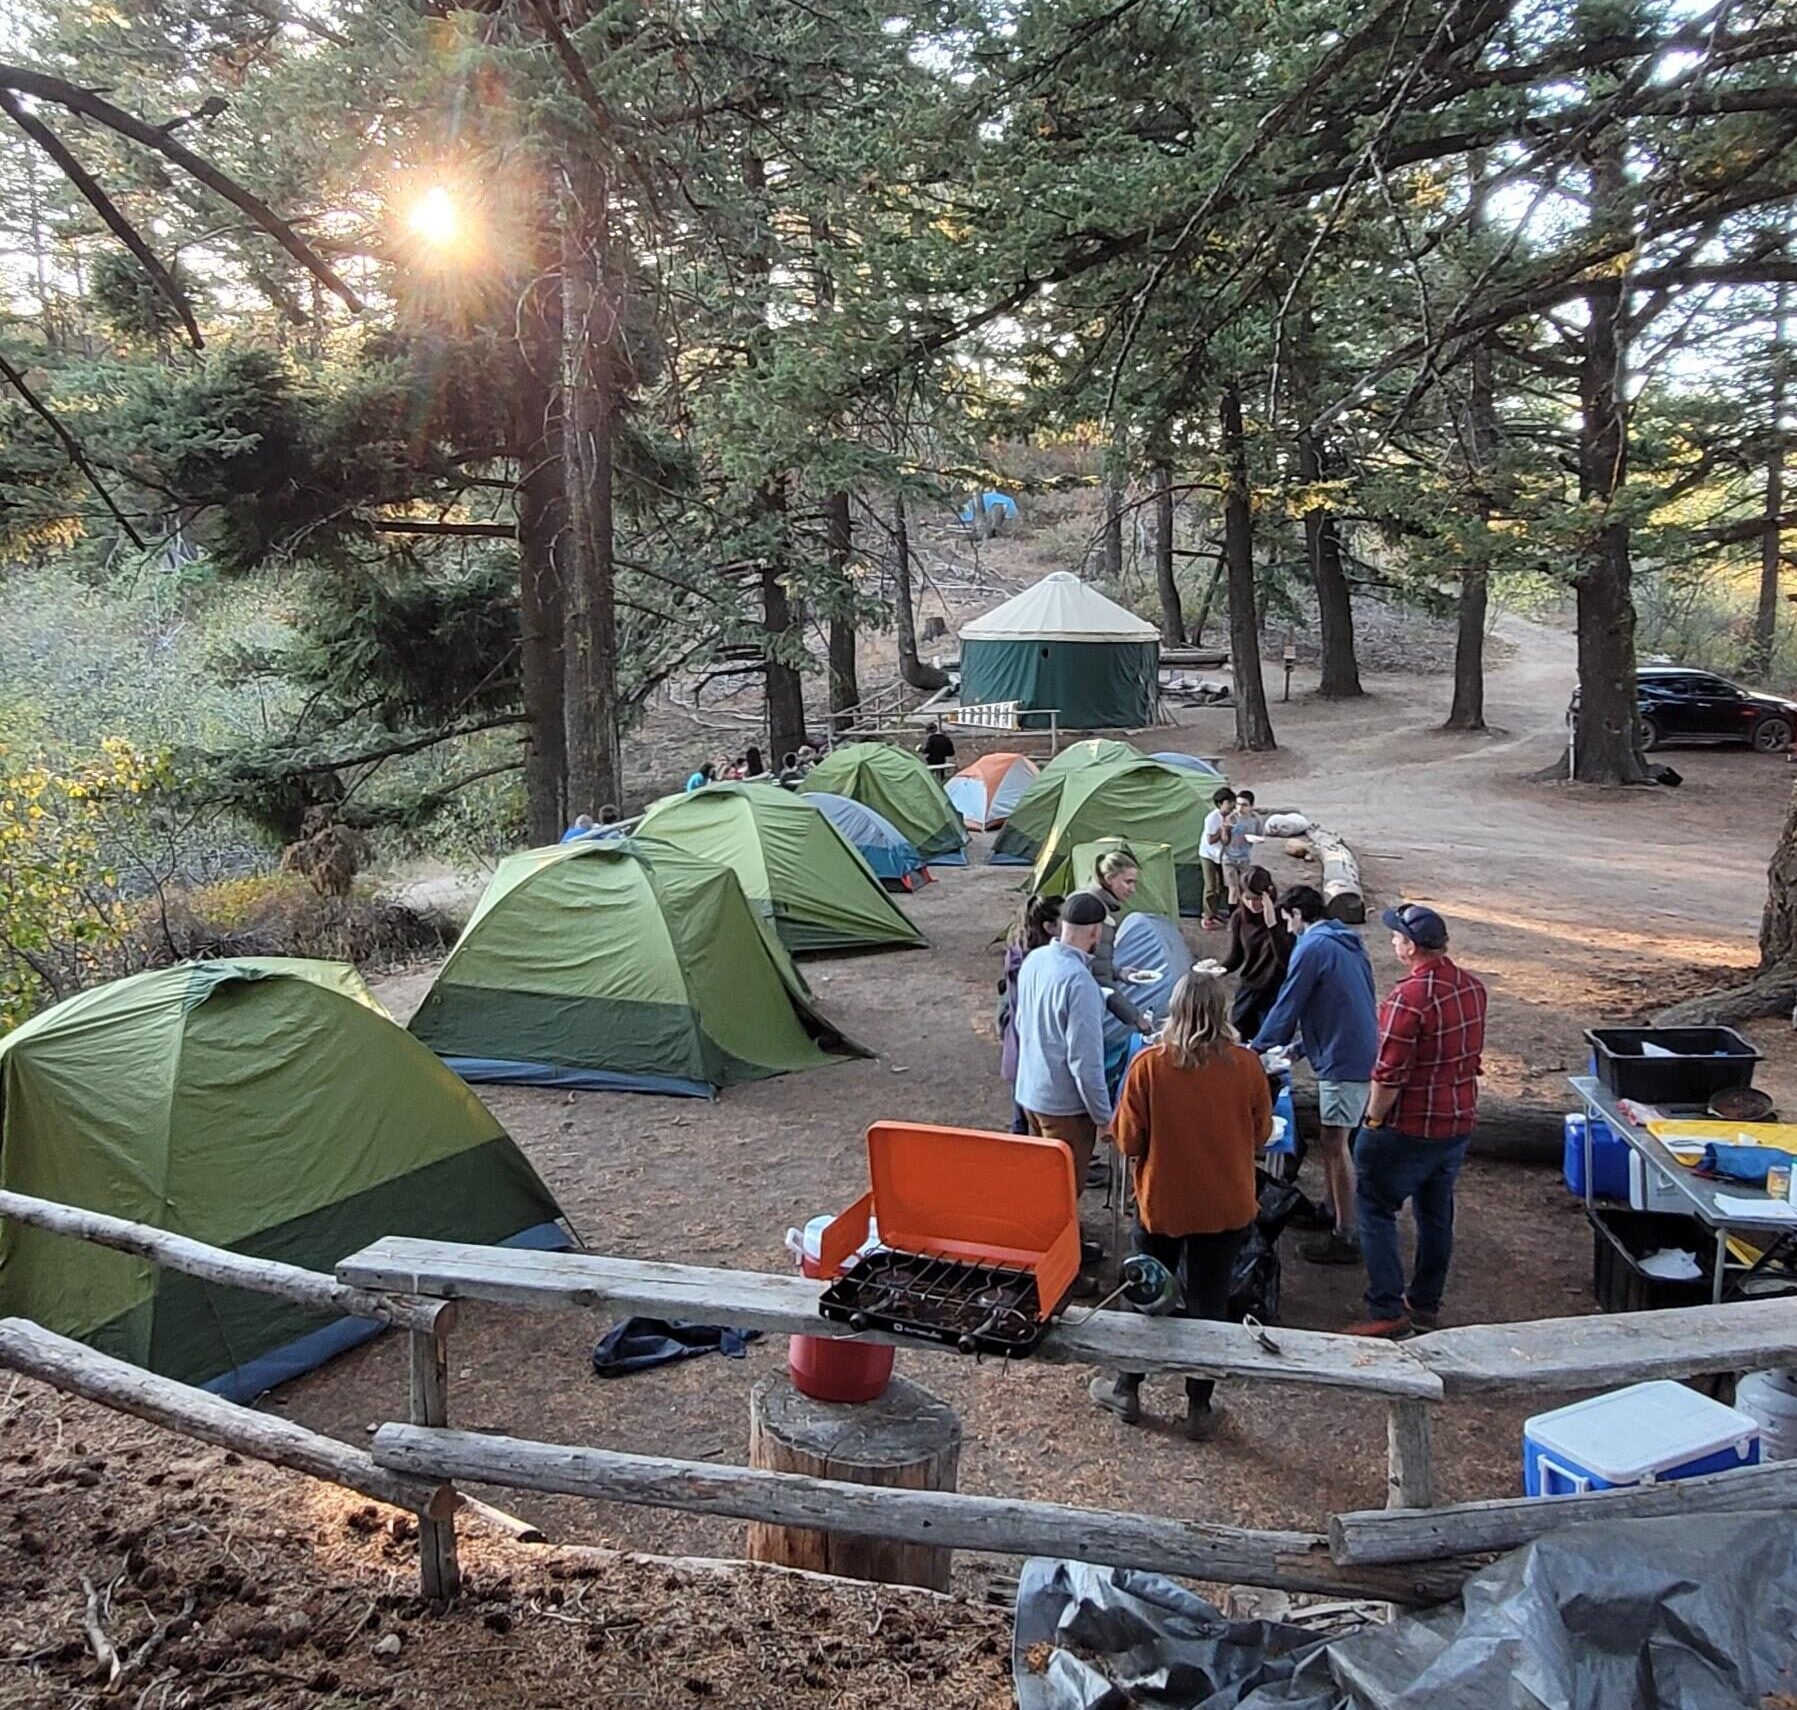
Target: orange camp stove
(978, 1239)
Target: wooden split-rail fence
(1412, 1552)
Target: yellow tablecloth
(1780, 1134)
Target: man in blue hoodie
(1329, 1000)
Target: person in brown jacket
(1194, 1111)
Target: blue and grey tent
(894, 859)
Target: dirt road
(1576, 906)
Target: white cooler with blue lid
(1644, 1434)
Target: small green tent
(1138, 800)
(1062, 647)
(791, 861)
(1070, 869)
(896, 783)
(626, 965)
(267, 1106)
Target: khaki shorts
(1342, 1104)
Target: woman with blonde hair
(1114, 883)
(1194, 1110)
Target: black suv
(1680, 705)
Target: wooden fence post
(1410, 1468)
(439, 1575)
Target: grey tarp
(1678, 1614)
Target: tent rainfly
(985, 792)
(626, 965)
(1062, 647)
(896, 783)
(892, 856)
(791, 861)
(268, 1106)
(1138, 800)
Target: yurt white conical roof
(1061, 647)
(1060, 608)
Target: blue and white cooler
(1645, 1434)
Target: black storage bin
(1619, 1242)
(1708, 1060)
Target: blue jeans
(1391, 1168)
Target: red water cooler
(833, 1368)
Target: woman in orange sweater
(1194, 1110)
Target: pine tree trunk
(1778, 924)
(904, 612)
(1765, 618)
(537, 446)
(1173, 621)
(1253, 723)
(1606, 750)
(839, 546)
(590, 647)
(785, 686)
(1110, 542)
(1468, 710)
(1340, 675)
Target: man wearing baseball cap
(1413, 1142)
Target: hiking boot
(1098, 1173)
(1391, 1329)
(1423, 1317)
(1203, 1423)
(1090, 1252)
(1085, 1287)
(1122, 1399)
(1317, 1216)
(1335, 1248)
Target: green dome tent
(1062, 647)
(1094, 751)
(1138, 800)
(1072, 867)
(266, 1106)
(791, 861)
(624, 965)
(896, 783)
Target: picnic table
(1721, 1206)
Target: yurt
(265, 1105)
(791, 861)
(894, 782)
(891, 855)
(985, 792)
(622, 965)
(1061, 646)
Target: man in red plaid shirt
(1413, 1142)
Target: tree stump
(905, 1440)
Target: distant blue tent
(895, 861)
(1002, 503)
(1188, 763)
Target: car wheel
(1647, 735)
(1771, 734)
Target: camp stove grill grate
(978, 1308)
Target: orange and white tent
(985, 792)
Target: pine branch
(62, 93)
(71, 445)
(106, 208)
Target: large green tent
(791, 861)
(896, 783)
(622, 964)
(1138, 800)
(267, 1106)
(1061, 647)
(1072, 867)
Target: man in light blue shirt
(1060, 1037)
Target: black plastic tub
(1705, 1060)
(1620, 1240)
